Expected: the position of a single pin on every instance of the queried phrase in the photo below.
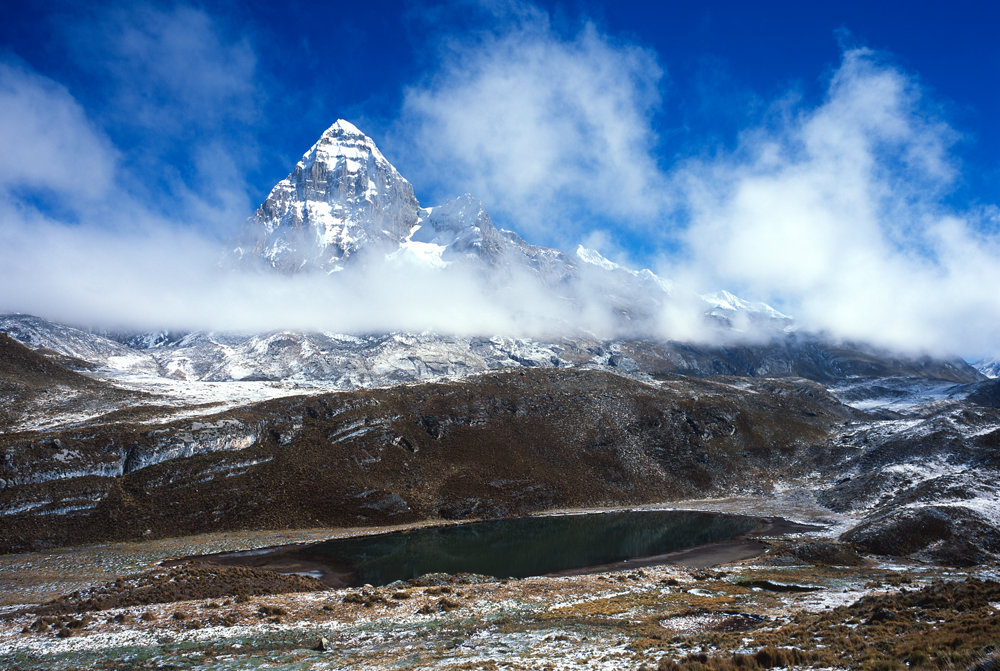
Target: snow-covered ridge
(723, 300)
(988, 367)
(344, 200)
(595, 258)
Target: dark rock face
(986, 393)
(497, 445)
(794, 356)
(943, 534)
(826, 553)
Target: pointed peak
(594, 257)
(343, 140)
(344, 132)
(342, 126)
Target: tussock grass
(945, 625)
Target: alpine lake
(506, 548)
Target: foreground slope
(501, 444)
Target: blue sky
(840, 160)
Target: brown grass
(179, 584)
(945, 625)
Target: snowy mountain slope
(342, 196)
(988, 367)
(37, 391)
(462, 227)
(862, 377)
(344, 202)
(744, 315)
(77, 343)
(925, 483)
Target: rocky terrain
(493, 445)
(912, 459)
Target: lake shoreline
(293, 558)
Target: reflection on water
(517, 548)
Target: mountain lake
(506, 548)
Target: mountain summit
(342, 196)
(344, 201)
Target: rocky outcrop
(495, 445)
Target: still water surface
(514, 548)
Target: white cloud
(549, 131)
(159, 277)
(46, 140)
(837, 216)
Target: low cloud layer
(165, 279)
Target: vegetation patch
(944, 625)
(179, 584)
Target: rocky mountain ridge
(917, 481)
(989, 367)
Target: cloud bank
(552, 131)
(837, 214)
(49, 144)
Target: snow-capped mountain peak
(727, 302)
(594, 258)
(342, 196)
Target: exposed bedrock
(494, 445)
